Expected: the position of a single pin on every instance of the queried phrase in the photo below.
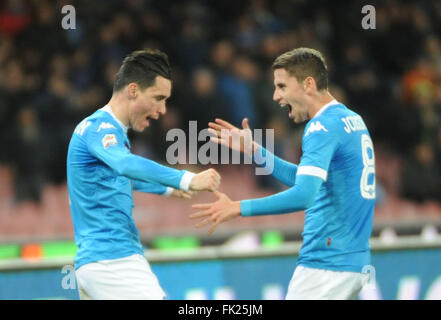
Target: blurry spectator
(82, 70)
(14, 17)
(203, 102)
(191, 44)
(44, 34)
(420, 176)
(54, 112)
(359, 76)
(30, 152)
(419, 80)
(109, 48)
(247, 35)
(237, 89)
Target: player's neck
(119, 108)
(320, 101)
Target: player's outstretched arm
(299, 197)
(215, 213)
(109, 147)
(241, 140)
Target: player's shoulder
(324, 122)
(337, 120)
(99, 121)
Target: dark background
(221, 54)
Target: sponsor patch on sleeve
(109, 140)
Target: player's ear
(309, 84)
(132, 90)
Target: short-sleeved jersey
(101, 175)
(338, 149)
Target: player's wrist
(259, 154)
(245, 208)
(169, 191)
(255, 147)
(186, 180)
(236, 207)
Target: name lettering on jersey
(353, 123)
(82, 127)
(105, 125)
(109, 140)
(315, 126)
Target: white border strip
(313, 171)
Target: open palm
(240, 140)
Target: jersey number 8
(367, 187)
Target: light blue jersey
(101, 175)
(335, 184)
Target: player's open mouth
(152, 117)
(287, 105)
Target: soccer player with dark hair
(102, 173)
(334, 182)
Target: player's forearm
(282, 170)
(139, 168)
(300, 197)
(150, 187)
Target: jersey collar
(326, 106)
(109, 110)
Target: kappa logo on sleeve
(105, 125)
(315, 126)
(109, 140)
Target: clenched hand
(206, 180)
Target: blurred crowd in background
(221, 54)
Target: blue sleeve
(299, 197)
(282, 170)
(149, 187)
(109, 146)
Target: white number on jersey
(367, 190)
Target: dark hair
(142, 67)
(302, 63)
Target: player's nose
(276, 96)
(162, 109)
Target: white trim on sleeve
(313, 171)
(186, 180)
(168, 192)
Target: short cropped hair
(302, 63)
(142, 67)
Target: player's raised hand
(214, 213)
(183, 194)
(225, 133)
(208, 180)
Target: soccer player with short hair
(102, 173)
(334, 182)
